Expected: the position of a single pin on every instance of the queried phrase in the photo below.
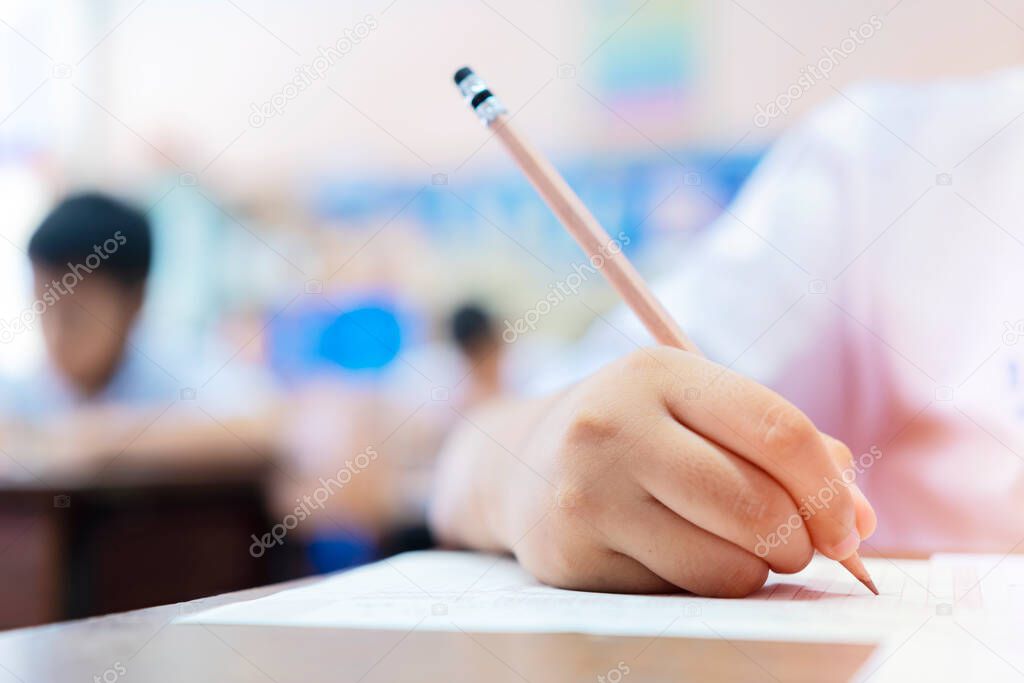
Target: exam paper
(472, 592)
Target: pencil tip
(854, 565)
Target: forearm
(476, 473)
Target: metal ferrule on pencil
(480, 98)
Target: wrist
(476, 495)
(462, 507)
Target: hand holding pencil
(698, 485)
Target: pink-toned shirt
(872, 271)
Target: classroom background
(325, 204)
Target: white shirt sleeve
(757, 292)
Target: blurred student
(867, 284)
(90, 261)
(478, 342)
(99, 393)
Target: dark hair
(87, 226)
(471, 326)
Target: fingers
(866, 519)
(686, 555)
(618, 573)
(840, 454)
(760, 426)
(577, 557)
(724, 495)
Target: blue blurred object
(360, 336)
(364, 338)
(341, 550)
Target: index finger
(760, 426)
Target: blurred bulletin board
(647, 70)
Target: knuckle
(759, 503)
(752, 509)
(591, 427)
(784, 429)
(776, 527)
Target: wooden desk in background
(94, 545)
(172, 515)
(146, 646)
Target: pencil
(585, 229)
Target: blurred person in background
(98, 393)
(101, 393)
(90, 261)
(476, 338)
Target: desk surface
(145, 646)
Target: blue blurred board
(359, 336)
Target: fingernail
(847, 547)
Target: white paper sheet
(471, 592)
